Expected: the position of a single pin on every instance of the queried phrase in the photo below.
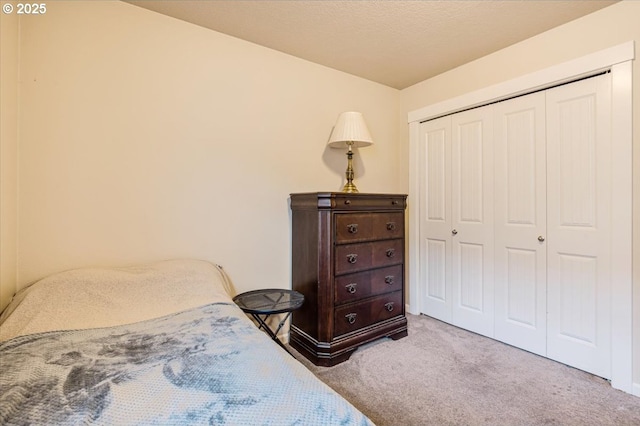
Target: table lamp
(350, 130)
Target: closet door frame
(617, 60)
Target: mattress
(74, 353)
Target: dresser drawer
(363, 256)
(354, 227)
(353, 287)
(353, 317)
(369, 202)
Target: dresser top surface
(335, 194)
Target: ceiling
(396, 43)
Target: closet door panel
(520, 222)
(435, 221)
(579, 225)
(472, 220)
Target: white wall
(143, 137)
(8, 154)
(608, 27)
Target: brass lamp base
(349, 187)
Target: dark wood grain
(327, 230)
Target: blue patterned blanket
(207, 365)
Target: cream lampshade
(350, 130)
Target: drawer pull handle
(347, 201)
(351, 318)
(389, 306)
(352, 258)
(394, 202)
(391, 226)
(391, 252)
(389, 279)
(351, 288)
(352, 228)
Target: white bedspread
(110, 297)
(153, 344)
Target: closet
(515, 222)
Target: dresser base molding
(328, 354)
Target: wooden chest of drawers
(348, 262)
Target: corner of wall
(9, 66)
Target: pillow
(104, 297)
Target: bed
(152, 344)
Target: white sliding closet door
(472, 219)
(579, 224)
(435, 217)
(520, 223)
(515, 227)
(523, 231)
(456, 224)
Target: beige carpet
(442, 375)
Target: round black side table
(261, 304)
